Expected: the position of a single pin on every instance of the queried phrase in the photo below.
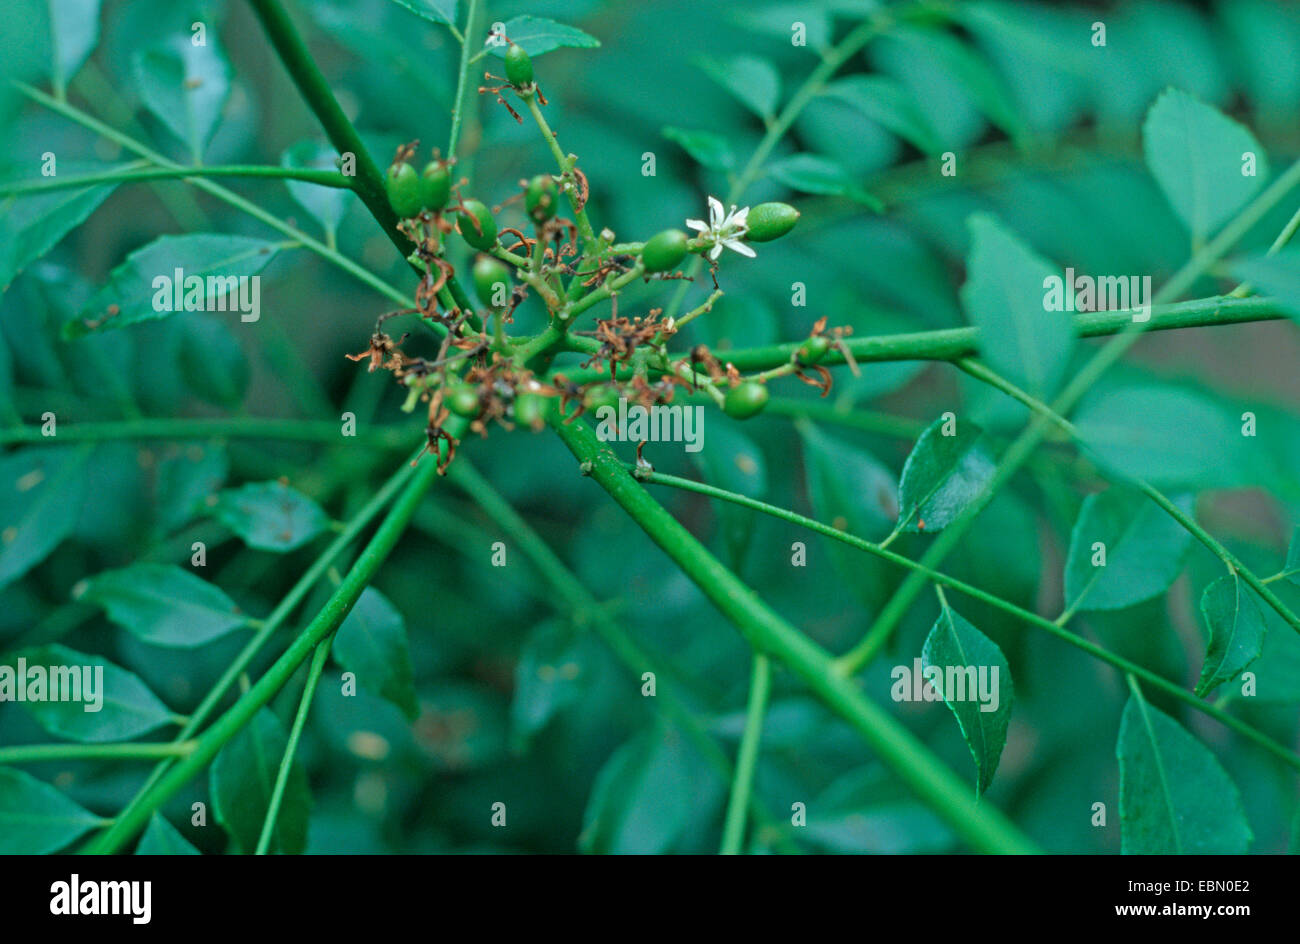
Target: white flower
(724, 230)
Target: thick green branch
(947, 344)
(980, 824)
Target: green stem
(566, 169)
(291, 748)
(947, 344)
(462, 83)
(241, 713)
(928, 574)
(245, 427)
(760, 686)
(39, 753)
(980, 824)
(323, 178)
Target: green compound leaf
(811, 173)
(648, 795)
(241, 781)
(852, 491)
(1003, 297)
(211, 266)
(35, 818)
(538, 35)
(1194, 152)
(987, 90)
(885, 101)
(162, 838)
(1237, 628)
(1277, 276)
(186, 480)
(326, 204)
(372, 643)
(163, 605)
(186, 87)
(41, 494)
(435, 11)
(552, 673)
(980, 693)
(1143, 550)
(126, 706)
(32, 225)
(1167, 436)
(1174, 798)
(943, 475)
(752, 81)
(75, 28)
(704, 147)
(270, 516)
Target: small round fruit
(491, 282)
(484, 235)
(539, 198)
(530, 410)
(664, 251)
(435, 185)
(403, 186)
(745, 400)
(463, 401)
(769, 221)
(519, 68)
(812, 350)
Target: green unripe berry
(403, 186)
(491, 282)
(812, 350)
(769, 221)
(664, 251)
(745, 400)
(530, 410)
(539, 198)
(435, 186)
(463, 401)
(519, 67)
(484, 235)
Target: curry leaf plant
(417, 446)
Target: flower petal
(739, 247)
(697, 225)
(716, 212)
(715, 251)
